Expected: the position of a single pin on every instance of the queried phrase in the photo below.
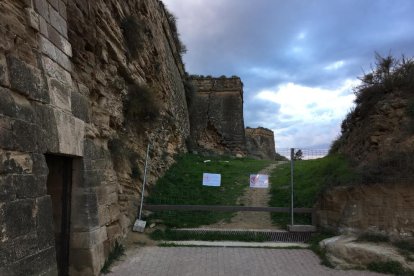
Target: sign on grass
(259, 181)
(211, 179)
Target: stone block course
(58, 22)
(84, 210)
(27, 80)
(71, 132)
(44, 223)
(62, 9)
(7, 191)
(16, 219)
(42, 7)
(80, 107)
(54, 4)
(4, 74)
(60, 94)
(29, 186)
(59, 41)
(88, 239)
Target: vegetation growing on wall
(140, 104)
(133, 30)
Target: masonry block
(32, 18)
(62, 9)
(4, 73)
(61, 42)
(54, 4)
(27, 80)
(88, 239)
(44, 221)
(80, 106)
(18, 248)
(84, 210)
(87, 261)
(7, 191)
(71, 132)
(47, 47)
(16, 219)
(55, 71)
(60, 94)
(48, 138)
(58, 22)
(29, 186)
(12, 162)
(41, 263)
(42, 7)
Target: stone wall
(65, 76)
(379, 208)
(260, 143)
(36, 116)
(216, 116)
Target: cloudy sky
(298, 59)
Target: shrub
(373, 237)
(140, 104)
(391, 267)
(172, 22)
(133, 30)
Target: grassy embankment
(182, 184)
(310, 178)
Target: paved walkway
(222, 261)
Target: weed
(391, 267)
(133, 30)
(117, 252)
(141, 105)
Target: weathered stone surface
(4, 74)
(32, 18)
(217, 123)
(84, 210)
(27, 80)
(16, 219)
(87, 261)
(42, 7)
(7, 191)
(42, 263)
(15, 106)
(48, 138)
(260, 143)
(58, 22)
(44, 222)
(71, 131)
(88, 239)
(344, 252)
(29, 186)
(80, 107)
(60, 94)
(378, 207)
(15, 162)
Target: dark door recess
(59, 184)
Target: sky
(299, 60)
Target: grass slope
(310, 178)
(182, 184)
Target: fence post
(292, 153)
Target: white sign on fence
(259, 181)
(211, 179)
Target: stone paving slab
(224, 261)
(240, 244)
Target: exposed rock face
(216, 116)
(260, 143)
(66, 75)
(377, 208)
(344, 252)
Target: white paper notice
(259, 181)
(211, 179)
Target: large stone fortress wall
(260, 143)
(64, 76)
(216, 116)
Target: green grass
(182, 184)
(117, 252)
(310, 178)
(171, 235)
(373, 237)
(389, 267)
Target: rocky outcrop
(216, 116)
(260, 143)
(377, 208)
(346, 252)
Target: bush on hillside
(133, 30)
